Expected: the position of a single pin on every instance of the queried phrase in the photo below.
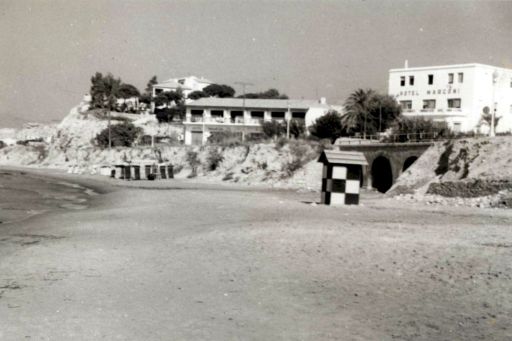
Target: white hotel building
(456, 94)
(245, 116)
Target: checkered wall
(340, 184)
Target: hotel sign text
(429, 92)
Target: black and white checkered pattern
(340, 184)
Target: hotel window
(429, 104)
(460, 77)
(430, 79)
(450, 78)
(406, 105)
(411, 80)
(454, 103)
(402, 81)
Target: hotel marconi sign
(448, 91)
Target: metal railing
(393, 138)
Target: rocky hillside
(474, 171)
(71, 146)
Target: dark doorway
(408, 162)
(382, 175)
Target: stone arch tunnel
(386, 161)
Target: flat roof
(257, 103)
(453, 66)
(343, 157)
(171, 85)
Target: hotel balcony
(237, 120)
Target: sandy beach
(222, 263)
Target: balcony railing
(224, 120)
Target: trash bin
(127, 173)
(163, 171)
(136, 172)
(170, 171)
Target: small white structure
(186, 84)
(456, 94)
(238, 115)
(341, 177)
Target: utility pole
(288, 118)
(380, 117)
(243, 84)
(107, 108)
(492, 131)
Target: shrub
(2, 144)
(328, 126)
(281, 142)
(122, 135)
(213, 159)
(297, 128)
(290, 167)
(225, 138)
(174, 113)
(273, 129)
(407, 129)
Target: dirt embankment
(71, 146)
(474, 171)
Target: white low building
(457, 94)
(245, 116)
(186, 84)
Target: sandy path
(221, 265)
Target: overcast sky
(50, 49)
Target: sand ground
(222, 263)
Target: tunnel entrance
(408, 162)
(382, 175)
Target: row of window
(428, 104)
(430, 79)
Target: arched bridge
(386, 161)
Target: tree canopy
(128, 91)
(219, 90)
(368, 112)
(196, 95)
(149, 86)
(269, 94)
(104, 90)
(122, 135)
(328, 126)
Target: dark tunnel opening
(382, 175)
(408, 162)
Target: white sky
(50, 49)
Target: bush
(297, 128)
(281, 142)
(328, 126)
(407, 129)
(225, 138)
(273, 129)
(290, 167)
(122, 135)
(175, 113)
(2, 144)
(213, 159)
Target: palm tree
(358, 108)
